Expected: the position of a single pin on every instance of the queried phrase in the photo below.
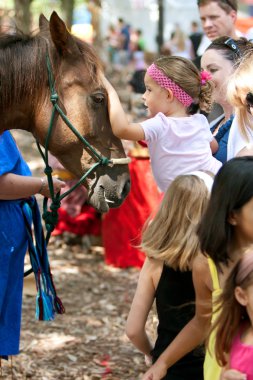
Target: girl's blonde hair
(171, 235)
(240, 83)
(186, 75)
(230, 312)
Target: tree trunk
(23, 15)
(68, 8)
(160, 25)
(94, 7)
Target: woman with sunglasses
(220, 60)
(240, 95)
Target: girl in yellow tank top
(225, 232)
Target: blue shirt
(11, 160)
(222, 139)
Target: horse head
(80, 95)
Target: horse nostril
(126, 189)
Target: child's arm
(120, 125)
(195, 332)
(214, 145)
(232, 374)
(140, 308)
(13, 186)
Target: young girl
(226, 229)
(178, 141)
(234, 325)
(16, 184)
(166, 274)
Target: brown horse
(25, 104)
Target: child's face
(155, 97)
(243, 224)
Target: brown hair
(242, 46)
(226, 5)
(186, 75)
(171, 235)
(230, 313)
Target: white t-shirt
(236, 141)
(178, 145)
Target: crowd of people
(188, 220)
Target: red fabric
(88, 222)
(121, 227)
(143, 143)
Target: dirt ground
(88, 341)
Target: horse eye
(98, 98)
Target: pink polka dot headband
(165, 82)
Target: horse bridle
(51, 216)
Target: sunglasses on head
(249, 101)
(233, 46)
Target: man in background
(195, 36)
(218, 18)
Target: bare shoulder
(154, 268)
(201, 271)
(200, 263)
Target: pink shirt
(241, 356)
(178, 145)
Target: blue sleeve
(222, 139)
(11, 160)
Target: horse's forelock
(92, 61)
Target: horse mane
(23, 72)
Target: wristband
(43, 184)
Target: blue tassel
(47, 301)
(44, 307)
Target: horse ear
(62, 39)
(43, 23)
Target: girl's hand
(148, 360)
(156, 372)
(233, 374)
(44, 190)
